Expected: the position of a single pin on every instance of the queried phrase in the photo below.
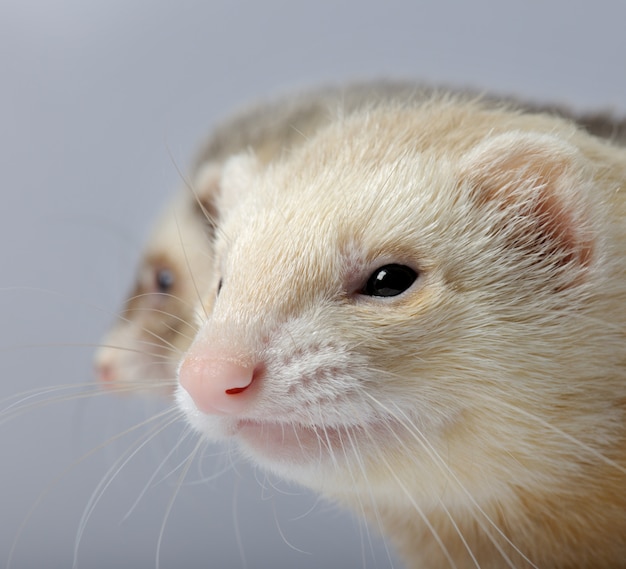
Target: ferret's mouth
(293, 442)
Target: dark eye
(389, 280)
(164, 280)
(219, 287)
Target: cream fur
(478, 418)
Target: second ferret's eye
(164, 280)
(219, 287)
(389, 280)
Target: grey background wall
(100, 101)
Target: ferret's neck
(556, 530)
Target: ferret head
(408, 300)
(141, 350)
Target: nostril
(258, 370)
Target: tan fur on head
(477, 416)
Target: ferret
(141, 350)
(419, 313)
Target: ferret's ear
(535, 186)
(238, 178)
(206, 188)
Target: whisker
(362, 528)
(94, 387)
(416, 507)
(59, 294)
(170, 504)
(192, 276)
(161, 340)
(31, 346)
(37, 392)
(180, 334)
(414, 431)
(308, 511)
(264, 484)
(597, 454)
(238, 538)
(205, 478)
(97, 308)
(449, 472)
(172, 315)
(42, 495)
(357, 454)
(329, 447)
(283, 536)
(115, 469)
(141, 295)
(190, 187)
(167, 344)
(155, 355)
(18, 408)
(149, 484)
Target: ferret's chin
(313, 456)
(292, 444)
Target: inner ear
(536, 186)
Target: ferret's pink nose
(104, 372)
(217, 386)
